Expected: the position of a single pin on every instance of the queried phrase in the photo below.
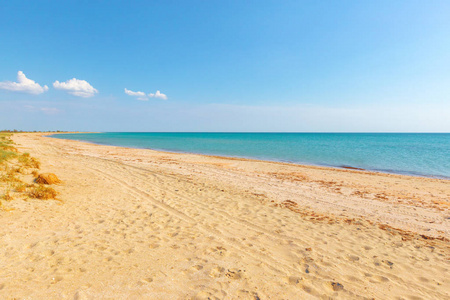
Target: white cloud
(144, 97)
(141, 95)
(159, 95)
(23, 84)
(76, 87)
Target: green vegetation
(7, 150)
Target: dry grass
(7, 196)
(6, 155)
(29, 162)
(7, 151)
(7, 147)
(47, 178)
(10, 176)
(42, 192)
(20, 187)
(13, 165)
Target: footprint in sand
(216, 272)
(153, 246)
(56, 279)
(378, 279)
(336, 286)
(80, 295)
(145, 281)
(207, 294)
(293, 280)
(197, 267)
(234, 274)
(353, 258)
(49, 252)
(243, 294)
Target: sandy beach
(143, 224)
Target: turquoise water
(426, 154)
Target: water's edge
(345, 167)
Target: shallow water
(426, 154)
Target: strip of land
(136, 223)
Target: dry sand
(142, 224)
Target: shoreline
(138, 223)
(322, 174)
(340, 167)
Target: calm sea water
(425, 154)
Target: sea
(420, 154)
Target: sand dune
(145, 224)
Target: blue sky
(226, 65)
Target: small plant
(42, 192)
(20, 187)
(10, 176)
(35, 163)
(7, 196)
(29, 162)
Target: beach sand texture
(143, 224)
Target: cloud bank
(141, 95)
(76, 87)
(23, 84)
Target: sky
(226, 66)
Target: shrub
(47, 178)
(42, 192)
